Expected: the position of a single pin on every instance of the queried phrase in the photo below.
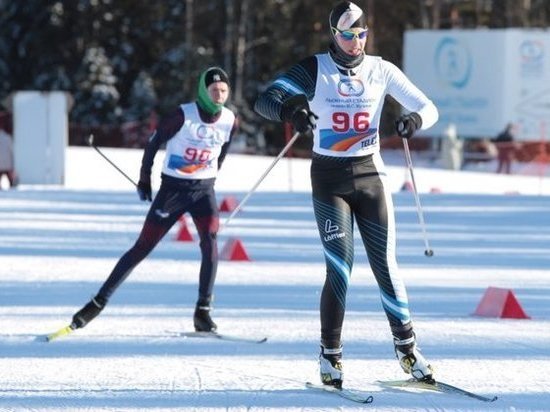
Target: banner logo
(453, 62)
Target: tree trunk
(371, 46)
(187, 86)
(229, 36)
(436, 14)
(241, 53)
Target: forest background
(126, 63)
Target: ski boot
(88, 312)
(201, 318)
(410, 358)
(330, 367)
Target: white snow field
(58, 244)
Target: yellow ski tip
(58, 334)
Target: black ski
(435, 386)
(216, 335)
(343, 393)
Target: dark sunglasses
(349, 35)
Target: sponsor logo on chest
(208, 135)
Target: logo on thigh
(162, 214)
(331, 229)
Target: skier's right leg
(156, 225)
(336, 230)
(330, 189)
(335, 226)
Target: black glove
(296, 111)
(407, 124)
(304, 121)
(144, 188)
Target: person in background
(197, 138)
(451, 148)
(7, 164)
(506, 147)
(337, 97)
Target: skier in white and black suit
(197, 138)
(337, 97)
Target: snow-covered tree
(96, 96)
(142, 98)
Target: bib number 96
(342, 122)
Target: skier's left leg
(205, 216)
(374, 214)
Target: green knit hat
(209, 76)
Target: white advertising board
(482, 79)
(40, 136)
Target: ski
(437, 387)
(216, 335)
(343, 393)
(64, 331)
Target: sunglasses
(349, 35)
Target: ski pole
(260, 180)
(428, 251)
(91, 143)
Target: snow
(58, 244)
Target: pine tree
(96, 97)
(143, 98)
